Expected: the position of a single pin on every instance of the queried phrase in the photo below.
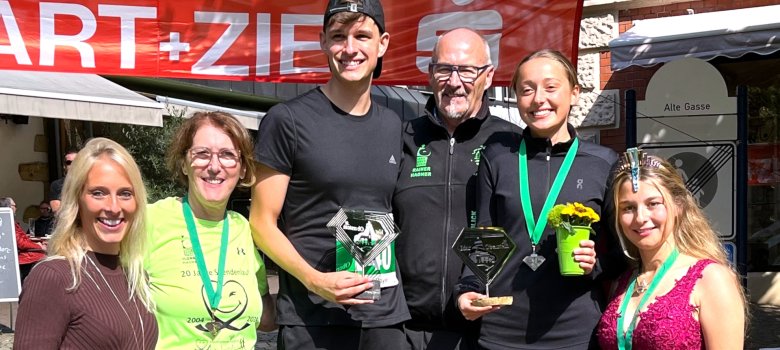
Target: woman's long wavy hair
(68, 241)
(692, 232)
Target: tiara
(632, 160)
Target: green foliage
(764, 112)
(148, 145)
(571, 214)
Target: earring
(623, 246)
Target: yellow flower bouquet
(571, 214)
(571, 222)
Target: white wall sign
(686, 101)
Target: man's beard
(455, 111)
(452, 112)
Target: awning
(707, 35)
(74, 96)
(249, 119)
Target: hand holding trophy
(485, 250)
(365, 235)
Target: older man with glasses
(435, 194)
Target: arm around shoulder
(722, 308)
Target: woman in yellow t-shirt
(207, 279)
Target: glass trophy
(485, 250)
(365, 234)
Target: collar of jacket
(482, 114)
(535, 145)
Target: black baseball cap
(370, 8)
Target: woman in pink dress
(682, 294)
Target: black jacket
(434, 200)
(550, 311)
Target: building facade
(733, 38)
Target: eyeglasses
(44, 208)
(442, 72)
(202, 156)
(68, 162)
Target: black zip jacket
(550, 311)
(434, 199)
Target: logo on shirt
(476, 154)
(232, 307)
(392, 160)
(421, 168)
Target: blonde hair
(692, 232)
(68, 241)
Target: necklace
(624, 338)
(641, 285)
(129, 320)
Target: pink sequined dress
(668, 322)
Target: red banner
(276, 41)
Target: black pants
(340, 338)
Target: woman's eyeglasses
(202, 156)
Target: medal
(534, 260)
(214, 327)
(536, 227)
(214, 295)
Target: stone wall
(598, 108)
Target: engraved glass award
(364, 234)
(485, 250)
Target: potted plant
(572, 224)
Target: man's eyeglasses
(442, 72)
(44, 208)
(202, 156)
(68, 162)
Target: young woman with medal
(92, 292)
(682, 293)
(518, 184)
(207, 279)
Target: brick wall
(637, 78)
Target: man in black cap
(327, 149)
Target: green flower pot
(568, 241)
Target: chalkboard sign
(10, 286)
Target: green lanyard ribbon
(214, 296)
(624, 342)
(535, 229)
